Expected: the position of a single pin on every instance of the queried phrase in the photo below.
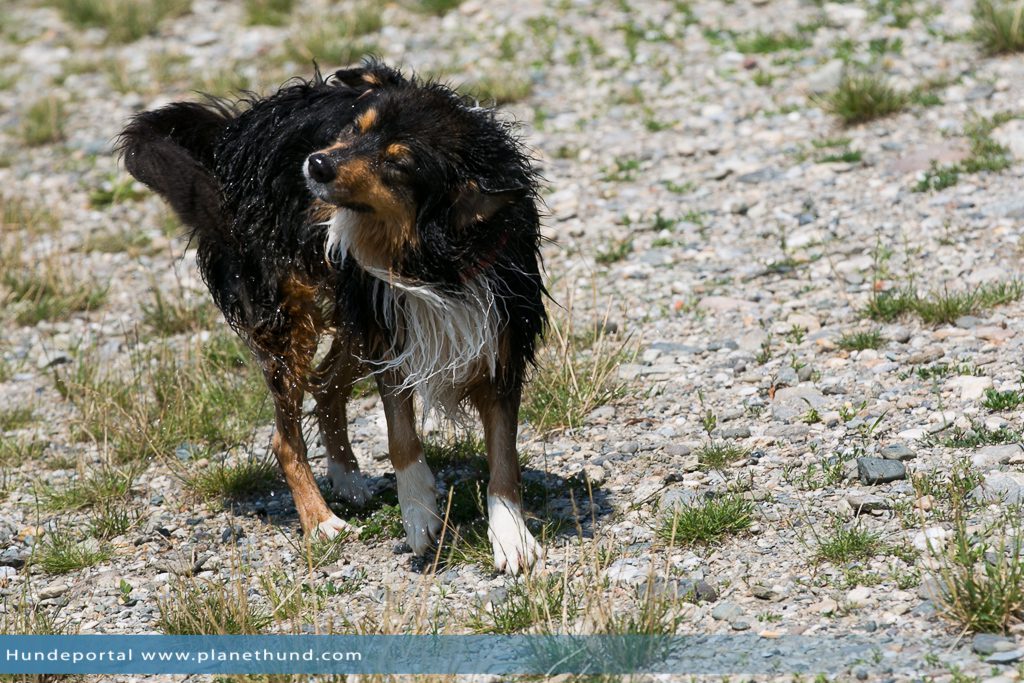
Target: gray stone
(1001, 487)
(989, 457)
(674, 499)
(897, 451)
(13, 557)
(763, 592)
(705, 592)
(740, 625)
(726, 611)
(1008, 657)
(54, 590)
(987, 643)
(826, 78)
(735, 432)
(760, 176)
(862, 502)
(791, 402)
(880, 470)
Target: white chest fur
(441, 340)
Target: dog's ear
(477, 203)
(371, 75)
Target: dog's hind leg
(513, 545)
(290, 448)
(417, 494)
(334, 378)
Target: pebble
(726, 611)
(897, 451)
(988, 643)
(880, 470)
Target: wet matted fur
(393, 215)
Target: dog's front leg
(332, 389)
(513, 545)
(290, 448)
(417, 493)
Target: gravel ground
(700, 205)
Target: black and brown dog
(392, 215)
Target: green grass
(707, 523)
(43, 122)
(383, 523)
(844, 545)
(16, 418)
(60, 553)
(124, 20)
(849, 156)
(206, 400)
(625, 169)
(1003, 400)
(268, 12)
(985, 155)
(223, 481)
(210, 608)
(115, 191)
(765, 43)
(614, 252)
(858, 341)
(499, 88)
(973, 437)
(118, 242)
(535, 600)
(981, 577)
(942, 307)
(106, 485)
(171, 316)
(46, 290)
(16, 451)
(112, 518)
(862, 98)
(437, 7)
(339, 40)
(998, 26)
(575, 375)
(718, 455)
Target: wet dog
(392, 216)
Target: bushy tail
(170, 150)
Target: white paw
(513, 544)
(332, 527)
(349, 486)
(417, 497)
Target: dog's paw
(417, 497)
(332, 527)
(514, 546)
(349, 486)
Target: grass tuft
(863, 98)
(981, 578)
(942, 307)
(575, 375)
(858, 341)
(124, 20)
(222, 481)
(337, 41)
(708, 522)
(718, 455)
(845, 545)
(43, 122)
(999, 26)
(59, 553)
(268, 12)
(207, 608)
(1003, 400)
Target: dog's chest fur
(439, 340)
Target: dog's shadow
(555, 507)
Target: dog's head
(415, 157)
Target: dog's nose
(320, 168)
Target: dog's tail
(170, 150)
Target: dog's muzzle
(320, 168)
